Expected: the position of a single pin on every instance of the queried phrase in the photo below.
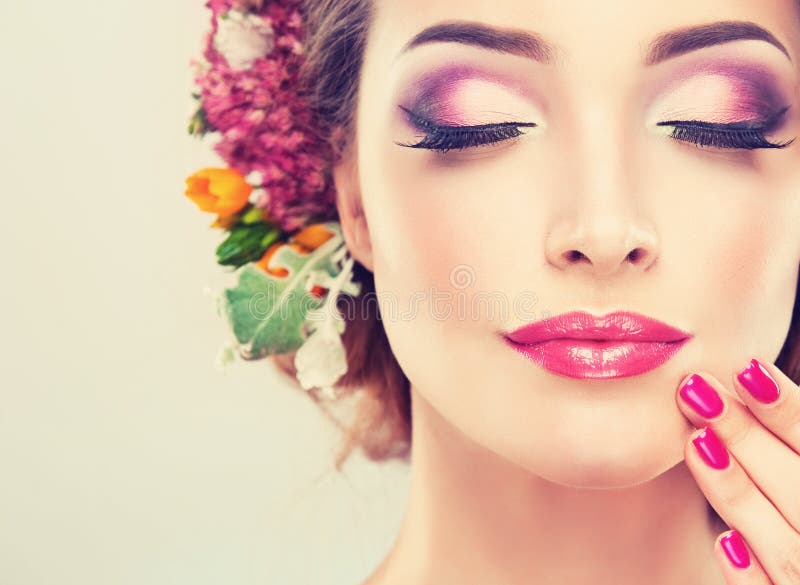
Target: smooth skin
(521, 476)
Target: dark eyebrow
(692, 38)
(531, 45)
(502, 40)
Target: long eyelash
(444, 138)
(746, 135)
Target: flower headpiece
(275, 200)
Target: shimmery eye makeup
(740, 90)
(743, 101)
(444, 138)
(726, 102)
(445, 100)
(452, 94)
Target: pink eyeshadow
(433, 96)
(752, 90)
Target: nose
(605, 234)
(605, 244)
(603, 229)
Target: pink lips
(580, 345)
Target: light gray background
(126, 457)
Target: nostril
(636, 254)
(574, 255)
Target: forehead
(583, 31)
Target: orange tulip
(225, 223)
(279, 272)
(303, 242)
(313, 236)
(306, 240)
(221, 191)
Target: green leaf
(246, 243)
(270, 238)
(253, 215)
(266, 312)
(199, 124)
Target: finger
(743, 506)
(773, 398)
(739, 565)
(770, 463)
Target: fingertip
(733, 546)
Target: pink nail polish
(735, 549)
(758, 382)
(702, 397)
(711, 449)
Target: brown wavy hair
(380, 409)
(374, 411)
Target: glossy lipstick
(580, 345)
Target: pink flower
(262, 122)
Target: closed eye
(737, 135)
(444, 137)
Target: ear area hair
(350, 209)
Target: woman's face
(595, 208)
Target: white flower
(255, 178)
(258, 197)
(243, 38)
(321, 360)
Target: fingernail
(702, 397)
(758, 382)
(735, 549)
(711, 449)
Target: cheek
(745, 278)
(432, 229)
(457, 273)
(433, 254)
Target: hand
(746, 460)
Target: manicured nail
(702, 397)
(758, 382)
(735, 549)
(711, 449)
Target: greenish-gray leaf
(267, 312)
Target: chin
(605, 475)
(608, 462)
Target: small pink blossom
(263, 123)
